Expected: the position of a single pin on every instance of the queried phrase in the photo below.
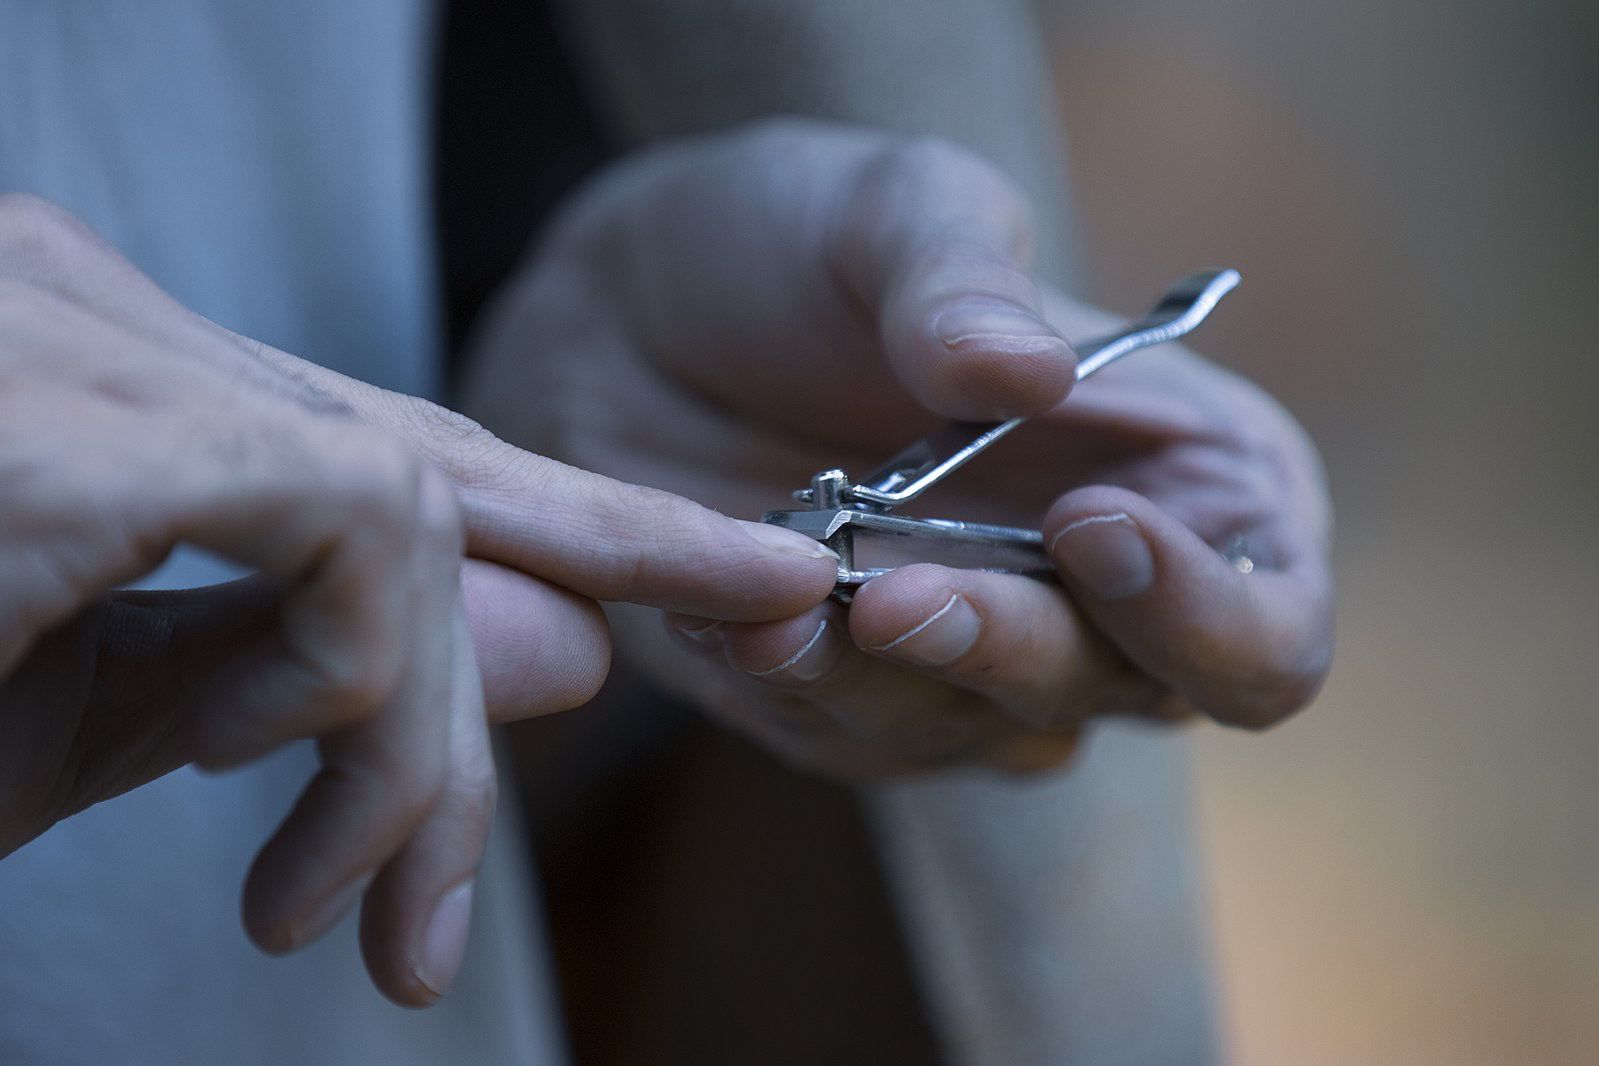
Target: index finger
(599, 537)
(610, 540)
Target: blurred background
(1409, 872)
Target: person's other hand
(726, 317)
(129, 425)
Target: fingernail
(939, 639)
(814, 659)
(996, 322)
(326, 916)
(444, 943)
(786, 540)
(703, 631)
(1108, 554)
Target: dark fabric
(706, 905)
(514, 133)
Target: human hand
(726, 317)
(129, 425)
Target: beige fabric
(1055, 921)
(264, 163)
(969, 70)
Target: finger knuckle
(351, 685)
(586, 674)
(439, 514)
(455, 441)
(887, 177)
(418, 763)
(34, 230)
(1273, 693)
(472, 792)
(940, 175)
(569, 670)
(391, 491)
(982, 270)
(441, 422)
(376, 476)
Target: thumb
(934, 240)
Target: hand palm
(726, 337)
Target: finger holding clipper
(1248, 648)
(1016, 642)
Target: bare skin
(695, 349)
(882, 282)
(417, 580)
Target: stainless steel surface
(916, 469)
(974, 545)
(840, 509)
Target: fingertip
(444, 946)
(804, 649)
(279, 924)
(789, 574)
(1017, 641)
(540, 648)
(417, 920)
(1246, 644)
(392, 943)
(908, 607)
(1107, 553)
(785, 541)
(967, 336)
(939, 639)
(992, 358)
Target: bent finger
(1019, 642)
(416, 916)
(368, 549)
(540, 648)
(805, 689)
(381, 776)
(1248, 648)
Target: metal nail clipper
(839, 510)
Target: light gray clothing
(265, 164)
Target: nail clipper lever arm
(934, 457)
